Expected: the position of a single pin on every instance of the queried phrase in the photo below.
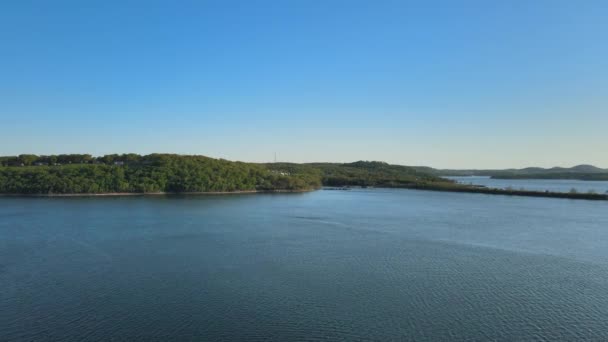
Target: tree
(27, 159)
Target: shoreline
(522, 193)
(603, 179)
(132, 194)
(474, 190)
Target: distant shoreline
(583, 178)
(479, 189)
(523, 193)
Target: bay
(363, 265)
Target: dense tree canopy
(82, 173)
(361, 173)
(133, 173)
(171, 173)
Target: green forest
(154, 173)
(28, 174)
(361, 173)
(78, 174)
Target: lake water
(367, 264)
(554, 185)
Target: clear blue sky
(459, 84)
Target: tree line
(362, 173)
(65, 174)
(62, 159)
(133, 173)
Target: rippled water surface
(328, 265)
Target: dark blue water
(329, 265)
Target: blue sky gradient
(453, 84)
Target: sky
(449, 84)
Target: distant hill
(583, 172)
(583, 169)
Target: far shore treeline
(171, 173)
(75, 174)
(132, 173)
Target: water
(328, 265)
(553, 185)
